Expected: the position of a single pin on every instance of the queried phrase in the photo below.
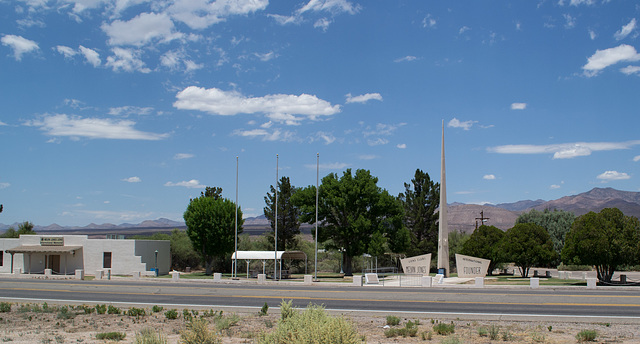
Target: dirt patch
(74, 326)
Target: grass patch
(5, 307)
(444, 329)
(197, 332)
(149, 336)
(117, 336)
(410, 329)
(392, 320)
(587, 336)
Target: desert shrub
(149, 336)
(286, 309)
(136, 312)
(186, 314)
(587, 336)
(171, 314)
(426, 335)
(197, 332)
(507, 336)
(313, 325)
(5, 307)
(483, 332)
(101, 309)
(392, 320)
(444, 329)
(156, 309)
(113, 310)
(451, 340)
(264, 310)
(111, 335)
(494, 332)
(410, 329)
(86, 309)
(225, 322)
(65, 313)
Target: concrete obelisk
(443, 228)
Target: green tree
(211, 227)
(25, 228)
(485, 243)
(420, 200)
(288, 214)
(607, 239)
(182, 252)
(351, 209)
(527, 245)
(213, 192)
(10, 233)
(457, 239)
(556, 222)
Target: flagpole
(275, 265)
(317, 191)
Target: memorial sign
(417, 264)
(471, 266)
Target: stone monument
(443, 230)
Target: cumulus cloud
(19, 44)
(363, 98)
(328, 138)
(91, 56)
(267, 135)
(456, 123)
(605, 58)
(564, 150)
(625, 30)
(200, 15)
(407, 58)
(141, 30)
(284, 108)
(4, 185)
(130, 110)
(636, 158)
(61, 125)
(67, 52)
(489, 177)
(401, 146)
(518, 106)
(181, 156)
(191, 184)
(132, 180)
(613, 175)
(178, 60)
(127, 60)
(629, 70)
(332, 7)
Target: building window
(106, 261)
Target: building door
(54, 263)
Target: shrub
(451, 340)
(224, 323)
(111, 335)
(287, 310)
(149, 336)
(264, 310)
(587, 336)
(171, 314)
(444, 329)
(313, 325)
(187, 315)
(136, 312)
(86, 309)
(426, 335)
(156, 309)
(101, 309)
(65, 313)
(5, 307)
(198, 333)
(410, 329)
(113, 310)
(494, 332)
(392, 320)
(483, 332)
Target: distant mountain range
(462, 217)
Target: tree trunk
(346, 265)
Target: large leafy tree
(288, 214)
(352, 208)
(211, 227)
(607, 239)
(420, 200)
(25, 228)
(556, 222)
(485, 243)
(528, 245)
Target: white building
(64, 254)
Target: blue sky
(120, 111)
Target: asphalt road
(491, 302)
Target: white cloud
(181, 156)
(382, 129)
(463, 30)
(266, 56)
(564, 150)
(130, 110)
(489, 177)
(428, 22)
(329, 166)
(287, 108)
(581, 2)
(4, 185)
(592, 35)
(91, 56)
(613, 175)
(273, 135)
(66, 51)
(132, 180)
(127, 60)
(323, 24)
(407, 58)
(401, 146)
(332, 7)
(141, 30)
(363, 98)
(636, 158)
(94, 128)
(455, 123)
(518, 106)
(605, 58)
(328, 138)
(191, 184)
(554, 186)
(625, 30)
(628, 70)
(377, 142)
(2, 123)
(19, 44)
(201, 14)
(570, 21)
(177, 59)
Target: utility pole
(481, 218)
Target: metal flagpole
(275, 261)
(235, 262)
(317, 191)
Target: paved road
(493, 302)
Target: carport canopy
(271, 255)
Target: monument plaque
(417, 264)
(471, 266)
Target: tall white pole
(275, 241)
(443, 228)
(317, 191)
(235, 220)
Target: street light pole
(235, 220)
(156, 267)
(317, 191)
(275, 261)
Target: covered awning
(43, 249)
(269, 255)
